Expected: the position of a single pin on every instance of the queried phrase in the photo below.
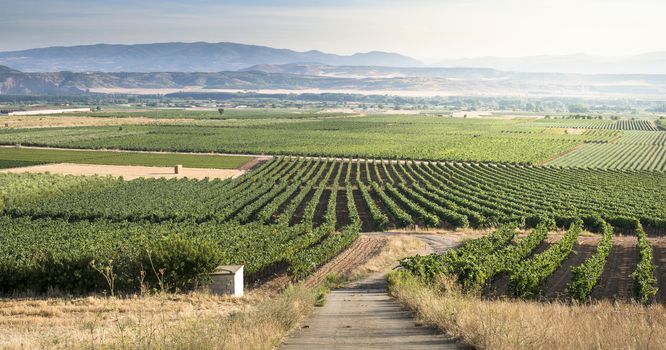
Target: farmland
(549, 222)
(610, 144)
(266, 218)
(541, 266)
(13, 157)
(394, 137)
(242, 113)
(642, 150)
(393, 194)
(620, 124)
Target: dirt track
(364, 316)
(359, 252)
(127, 172)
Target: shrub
(178, 262)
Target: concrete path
(364, 316)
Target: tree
(220, 110)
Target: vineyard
(620, 124)
(44, 251)
(642, 150)
(383, 136)
(381, 194)
(526, 266)
(294, 214)
(14, 157)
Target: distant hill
(375, 80)
(5, 69)
(648, 63)
(181, 57)
(373, 71)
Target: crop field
(384, 194)
(620, 124)
(14, 157)
(233, 113)
(292, 214)
(7, 163)
(564, 266)
(49, 252)
(388, 137)
(288, 215)
(642, 150)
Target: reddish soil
(382, 207)
(363, 212)
(372, 173)
(500, 286)
(254, 163)
(352, 175)
(343, 172)
(556, 285)
(382, 173)
(341, 213)
(392, 171)
(321, 208)
(284, 205)
(298, 214)
(360, 251)
(615, 281)
(335, 172)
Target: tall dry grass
(161, 321)
(513, 324)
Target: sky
(424, 29)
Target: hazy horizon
(427, 30)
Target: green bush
(177, 262)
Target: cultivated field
(384, 194)
(11, 157)
(577, 232)
(578, 143)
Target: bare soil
(364, 248)
(556, 285)
(363, 212)
(615, 282)
(127, 172)
(254, 163)
(341, 212)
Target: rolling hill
(181, 57)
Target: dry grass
(396, 248)
(20, 122)
(166, 321)
(511, 324)
(61, 322)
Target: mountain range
(326, 78)
(181, 57)
(217, 57)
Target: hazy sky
(425, 29)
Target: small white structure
(227, 280)
(178, 169)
